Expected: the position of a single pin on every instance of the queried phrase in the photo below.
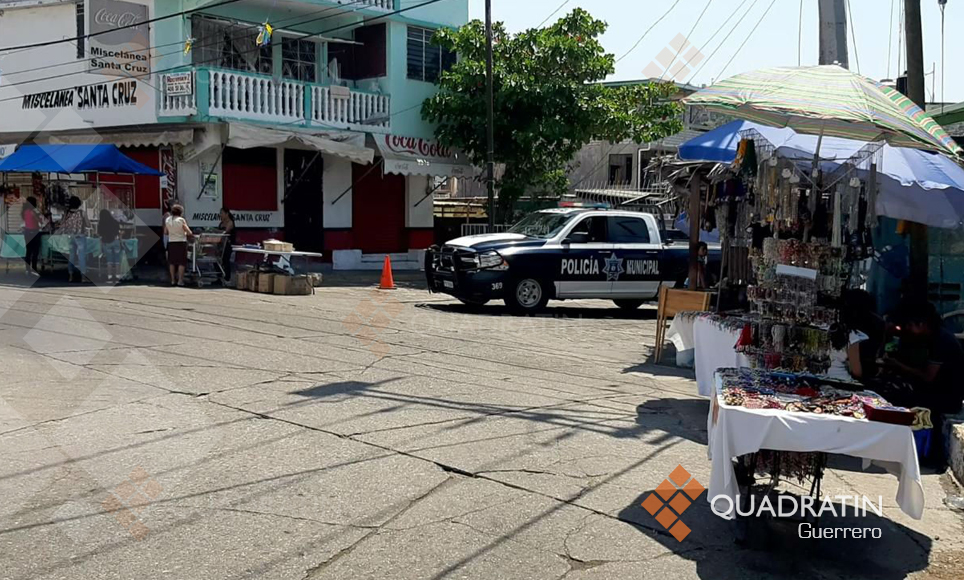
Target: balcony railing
(253, 97)
(382, 4)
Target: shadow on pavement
(682, 418)
(574, 312)
(773, 547)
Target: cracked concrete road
(174, 433)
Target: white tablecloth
(735, 431)
(715, 349)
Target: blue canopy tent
(73, 159)
(914, 185)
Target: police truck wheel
(628, 304)
(527, 295)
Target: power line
(180, 68)
(853, 35)
(554, 12)
(112, 30)
(686, 39)
(209, 44)
(725, 38)
(745, 40)
(182, 42)
(658, 20)
(800, 36)
(890, 35)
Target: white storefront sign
(120, 38)
(417, 156)
(80, 95)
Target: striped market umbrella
(826, 100)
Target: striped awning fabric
(826, 99)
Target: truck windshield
(541, 225)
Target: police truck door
(580, 270)
(634, 268)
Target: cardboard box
(292, 286)
(277, 246)
(241, 280)
(252, 281)
(315, 279)
(266, 283)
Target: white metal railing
(475, 229)
(177, 105)
(256, 98)
(383, 4)
(342, 107)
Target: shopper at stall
(76, 226)
(929, 358)
(227, 226)
(32, 224)
(109, 231)
(857, 338)
(178, 232)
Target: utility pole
(919, 255)
(833, 33)
(490, 123)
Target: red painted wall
(250, 179)
(147, 192)
(420, 238)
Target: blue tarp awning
(73, 159)
(914, 185)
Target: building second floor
(361, 65)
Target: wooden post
(694, 215)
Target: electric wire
(112, 30)
(748, 36)
(686, 39)
(212, 43)
(652, 26)
(890, 35)
(732, 30)
(554, 12)
(853, 34)
(180, 68)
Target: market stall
(755, 410)
(52, 174)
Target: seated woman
(856, 339)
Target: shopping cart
(205, 255)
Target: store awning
(351, 146)
(73, 159)
(416, 156)
(126, 139)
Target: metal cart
(204, 256)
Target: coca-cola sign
(116, 23)
(121, 41)
(416, 147)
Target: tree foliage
(548, 101)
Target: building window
(426, 62)
(231, 45)
(299, 60)
(620, 169)
(81, 30)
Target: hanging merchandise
(264, 34)
(188, 45)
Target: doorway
(304, 200)
(378, 211)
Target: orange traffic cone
(388, 281)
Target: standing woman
(31, 234)
(175, 227)
(109, 231)
(75, 226)
(227, 226)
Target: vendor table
(52, 246)
(284, 257)
(735, 431)
(714, 346)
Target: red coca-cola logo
(416, 146)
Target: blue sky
(774, 43)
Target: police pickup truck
(560, 254)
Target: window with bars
(299, 60)
(81, 30)
(425, 60)
(231, 45)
